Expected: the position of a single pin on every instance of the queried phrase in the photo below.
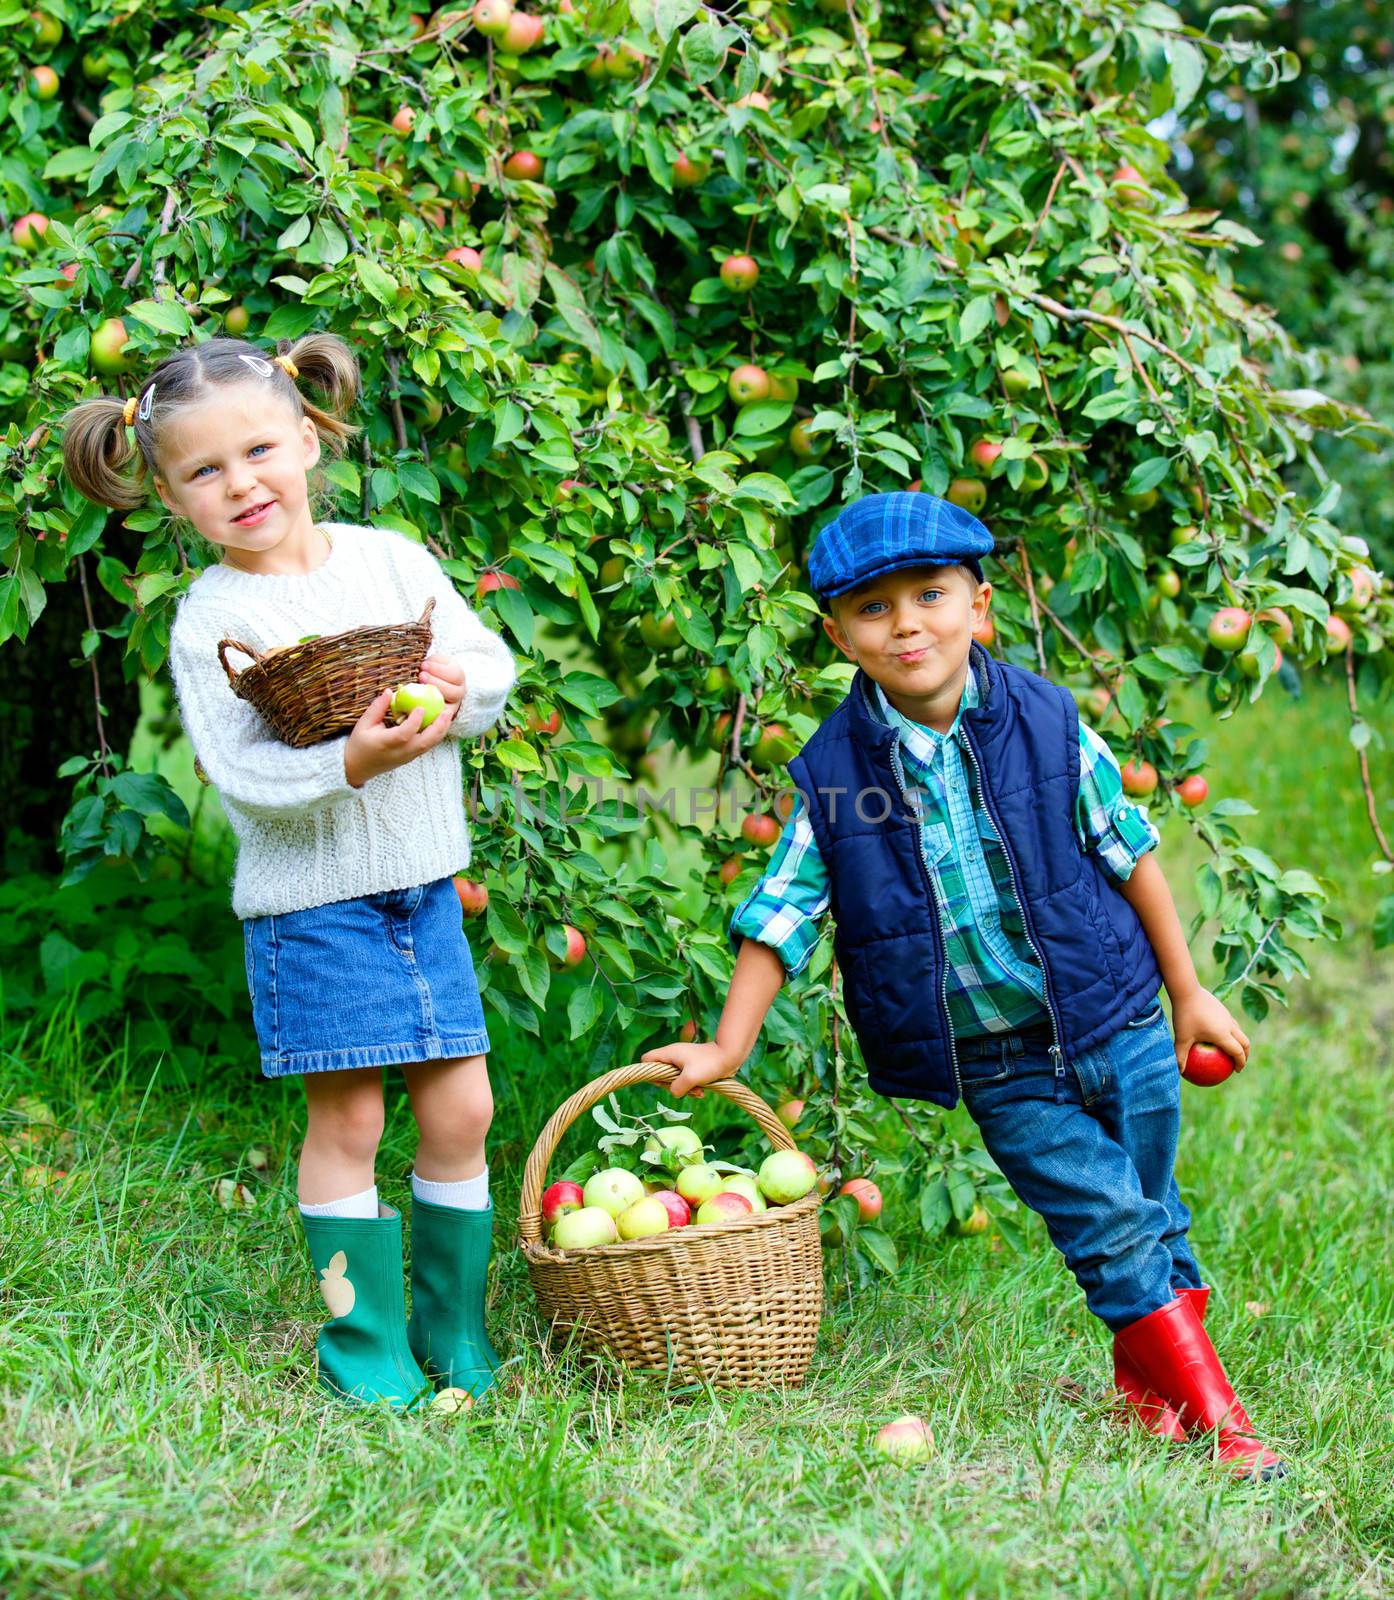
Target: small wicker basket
(735, 1304)
(313, 691)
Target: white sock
(470, 1194)
(354, 1205)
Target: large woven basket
(316, 690)
(735, 1304)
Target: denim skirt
(379, 981)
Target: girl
(356, 957)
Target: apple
(1139, 778)
(1206, 1065)
(1338, 632)
(494, 579)
(643, 1219)
(1363, 588)
(575, 947)
(560, 1198)
(760, 829)
(1229, 628)
(47, 30)
(867, 1196)
(907, 1440)
(614, 1189)
(523, 33)
(624, 61)
(411, 695)
(1168, 583)
(774, 747)
(730, 869)
(491, 17)
(257, 1158)
(1248, 661)
(985, 632)
(808, 446)
(583, 1229)
(660, 633)
(404, 119)
(1015, 382)
(474, 897)
(687, 173)
(108, 347)
(1035, 474)
(43, 82)
(566, 490)
(451, 1400)
(786, 1176)
(969, 493)
(523, 163)
(754, 101)
(748, 383)
(679, 1212)
(541, 724)
(725, 1206)
(739, 273)
(29, 230)
(1193, 791)
(789, 1113)
(740, 1183)
(679, 1137)
(466, 255)
(1130, 184)
(977, 1221)
(1277, 622)
(926, 42)
(983, 452)
(236, 321)
(699, 1182)
(688, 1032)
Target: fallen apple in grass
(907, 1440)
(786, 1176)
(409, 696)
(584, 1229)
(726, 1206)
(977, 1221)
(560, 1198)
(613, 1190)
(643, 1219)
(1207, 1065)
(699, 1182)
(452, 1400)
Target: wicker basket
(316, 690)
(735, 1304)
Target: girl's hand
(1202, 1019)
(698, 1064)
(375, 746)
(448, 676)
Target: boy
(1001, 931)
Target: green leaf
(976, 316)
(1147, 475)
(168, 316)
(1384, 923)
(583, 1008)
(1187, 72)
(376, 280)
(880, 1247)
(517, 756)
(419, 480)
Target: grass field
(161, 1433)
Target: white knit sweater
(305, 836)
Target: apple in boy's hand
(1207, 1065)
(558, 1199)
(409, 696)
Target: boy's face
(910, 631)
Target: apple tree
(643, 292)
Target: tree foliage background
(1055, 227)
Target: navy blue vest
(1024, 741)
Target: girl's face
(235, 467)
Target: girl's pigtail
(102, 455)
(328, 369)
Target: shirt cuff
(1127, 838)
(795, 949)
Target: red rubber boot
(1142, 1404)
(1170, 1350)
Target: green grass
(161, 1434)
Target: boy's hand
(698, 1064)
(375, 746)
(1202, 1019)
(448, 676)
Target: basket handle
(425, 616)
(224, 645)
(535, 1172)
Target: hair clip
(128, 411)
(147, 404)
(287, 366)
(256, 363)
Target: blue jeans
(1092, 1152)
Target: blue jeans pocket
(1148, 1019)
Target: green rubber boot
(449, 1269)
(363, 1351)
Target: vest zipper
(1056, 1053)
(938, 923)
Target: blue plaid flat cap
(883, 532)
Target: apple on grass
(560, 1198)
(614, 1189)
(786, 1176)
(1207, 1065)
(907, 1440)
(409, 696)
(699, 1182)
(583, 1229)
(724, 1206)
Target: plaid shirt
(995, 983)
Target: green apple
(614, 1190)
(739, 1183)
(699, 1182)
(680, 1138)
(580, 1230)
(411, 695)
(644, 1218)
(786, 1176)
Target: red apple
(1206, 1065)
(494, 579)
(986, 632)
(547, 725)
(983, 452)
(760, 829)
(748, 383)
(977, 1221)
(474, 897)
(1229, 628)
(575, 946)
(404, 119)
(558, 1199)
(43, 82)
(1277, 622)
(679, 1212)
(730, 869)
(109, 346)
(687, 173)
(29, 230)
(466, 255)
(907, 1440)
(790, 1112)
(523, 33)
(491, 17)
(1193, 791)
(1130, 184)
(739, 273)
(867, 1196)
(808, 446)
(1338, 632)
(1139, 778)
(725, 1206)
(523, 163)
(969, 493)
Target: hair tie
(287, 366)
(128, 411)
